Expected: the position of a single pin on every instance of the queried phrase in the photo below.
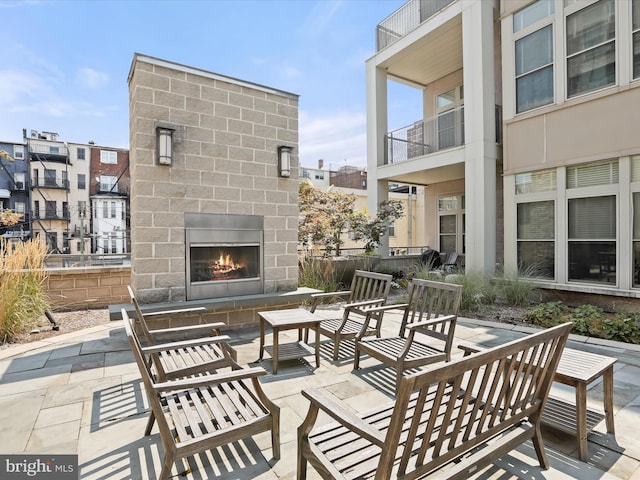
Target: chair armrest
(384, 308)
(162, 347)
(431, 322)
(188, 328)
(345, 415)
(364, 303)
(468, 350)
(207, 380)
(330, 294)
(173, 311)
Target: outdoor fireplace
(223, 255)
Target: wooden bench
(446, 423)
(203, 412)
(368, 289)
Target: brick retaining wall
(88, 287)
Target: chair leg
(167, 465)
(152, 419)
(336, 347)
(275, 436)
(538, 444)
(356, 358)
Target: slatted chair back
(460, 405)
(140, 316)
(429, 300)
(369, 285)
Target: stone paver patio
(81, 393)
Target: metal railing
(405, 19)
(431, 135)
(50, 183)
(88, 260)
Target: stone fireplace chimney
(225, 136)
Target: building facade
(14, 189)
(527, 146)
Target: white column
(480, 136)
(377, 191)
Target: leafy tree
(325, 216)
(372, 230)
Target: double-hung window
(591, 48)
(536, 224)
(108, 156)
(451, 228)
(636, 37)
(592, 222)
(534, 55)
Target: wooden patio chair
(368, 290)
(203, 412)
(432, 311)
(187, 356)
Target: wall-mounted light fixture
(165, 146)
(284, 161)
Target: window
(636, 38)
(19, 178)
(534, 70)
(542, 181)
(18, 152)
(82, 181)
(20, 207)
(536, 239)
(451, 234)
(36, 208)
(592, 174)
(80, 153)
(82, 209)
(105, 209)
(591, 48)
(50, 209)
(636, 239)
(108, 156)
(450, 106)
(108, 183)
(319, 176)
(391, 229)
(113, 209)
(54, 150)
(50, 178)
(65, 210)
(531, 14)
(592, 239)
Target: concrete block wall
(87, 288)
(226, 138)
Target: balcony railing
(48, 149)
(50, 183)
(431, 135)
(405, 19)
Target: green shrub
(477, 290)
(547, 314)
(587, 320)
(22, 299)
(516, 290)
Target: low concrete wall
(87, 287)
(235, 312)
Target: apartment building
(109, 193)
(14, 189)
(527, 144)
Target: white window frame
(108, 156)
(18, 152)
(459, 213)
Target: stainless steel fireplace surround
(224, 255)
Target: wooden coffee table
(578, 369)
(289, 319)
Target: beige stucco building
(526, 146)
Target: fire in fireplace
(224, 255)
(224, 263)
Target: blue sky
(64, 64)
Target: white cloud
(339, 139)
(17, 84)
(90, 78)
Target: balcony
(51, 214)
(59, 183)
(431, 135)
(46, 152)
(406, 19)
